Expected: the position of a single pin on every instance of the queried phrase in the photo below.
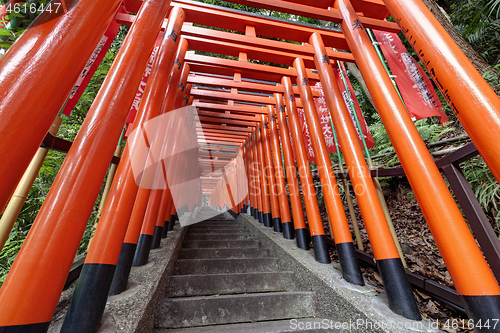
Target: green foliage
(16, 22)
(492, 75)
(494, 8)
(428, 128)
(485, 187)
(477, 21)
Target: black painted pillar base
(157, 237)
(142, 251)
(349, 263)
(398, 289)
(255, 213)
(303, 238)
(480, 309)
(89, 299)
(28, 328)
(164, 231)
(320, 248)
(277, 224)
(123, 268)
(268, 220)
(252, 211)
(261, 217)
(288, 231)
(171, 223)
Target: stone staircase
(224, 281)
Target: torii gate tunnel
(234, 137)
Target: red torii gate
(60, 223)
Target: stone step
(236, 283)
(305, 325)
(210, 221)
(221, 266)
(229, 237)
(224, 244)
(218, 232)
(216, 226)
(230, 309)
(202, 253)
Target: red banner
(365, 132)
(416, 88)
(324, 118)
(92, 65)
(305, 134)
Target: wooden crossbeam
(236, 108)
(222, 138)
(228, 116)
(205, 154)
(219, 137)
(331, 14)
(213, 65)
(226, 96)
(224, 127)
(196, 92)
(258, 48)
(303, 50)
(218, 142)
(215, 149)
(373, 13)
(228, 133)
(241, 85)
(253, 52)
(204, 119)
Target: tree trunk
(481, 65)
(357, 74)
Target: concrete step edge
(275, 326)
(228, 309)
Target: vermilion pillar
(378, 231)
(471, 275)
(176, 86)
(36, 76)
(270, 175)
(258, 177)
(252, 184)
(89, 299)
(168, 215)
(163, 212)
(50, 248)
(335, 209)
(247, 168)
(248, 160)
(286, 218)
(180, 101)
(247, 171)
(301, 231)
(308, 190)
(136, 217)
(264, 184)
(469, 95)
